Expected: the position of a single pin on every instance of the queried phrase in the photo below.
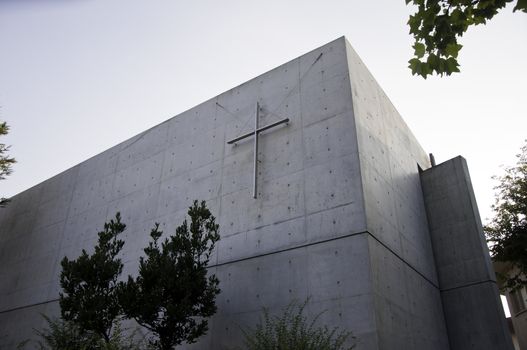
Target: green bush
(66, 335)
(293, 331)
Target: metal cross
(255, 133)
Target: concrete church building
(331, 198)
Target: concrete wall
(406, 294)
(471, 302)
(303, 236)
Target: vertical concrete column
(471, 304)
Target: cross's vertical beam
(255, 178)
(257, 130)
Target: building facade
(333, 199)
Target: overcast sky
(79, 76)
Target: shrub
(293, 331)
(66, 335)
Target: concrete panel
(340, 221)
(138, 176)
(326, 99)
(141, 147)
(98, 167)
(324, 63)
(137, 206)
(262, 240)
(278, 152)
(351, 314)
(474, 322)
(329, 138)
(81, 230)
(92, 193)
(332, 184)
(407, 305)
(18, 326)
(471, 302)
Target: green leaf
(479, 20)
(425, 70)
(521, 5)
(419, 68)
(415, 66)
(440, 66)
(433, 62)
(451, 66)
(419, 50)
(456, 16)
(414, 22)
(452, 49)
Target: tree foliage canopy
(437, 25)
(507, 232)
(6, 162)
(89, 283)
(172, 294)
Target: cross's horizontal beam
(263, 128)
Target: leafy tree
(293, 331)
(507, 232)
(437, 25)
(172, 294)
(89, 283)
(6, 162)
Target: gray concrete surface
(406, 295)
(339, 217)
(471, 302)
